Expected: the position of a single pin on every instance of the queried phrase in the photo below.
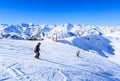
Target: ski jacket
(37, 48)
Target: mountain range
(33, 31)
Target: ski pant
(37, 54)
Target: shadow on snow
(97, 43)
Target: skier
(37, 48)
(78, 53)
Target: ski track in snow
(15, 72)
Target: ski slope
(58, 62)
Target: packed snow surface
(58, 62)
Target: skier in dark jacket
(37, 48)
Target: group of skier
(37, 49)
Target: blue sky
(94, 12)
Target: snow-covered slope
(97, 43)
(58, 63)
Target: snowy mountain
(32, 31)
(99, 48)
(27, 31)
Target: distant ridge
(34, 31)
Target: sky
(88, 12)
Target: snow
(58, 62)
(99, 53)
(97, 43)
(31, 31)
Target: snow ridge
(32, 31)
